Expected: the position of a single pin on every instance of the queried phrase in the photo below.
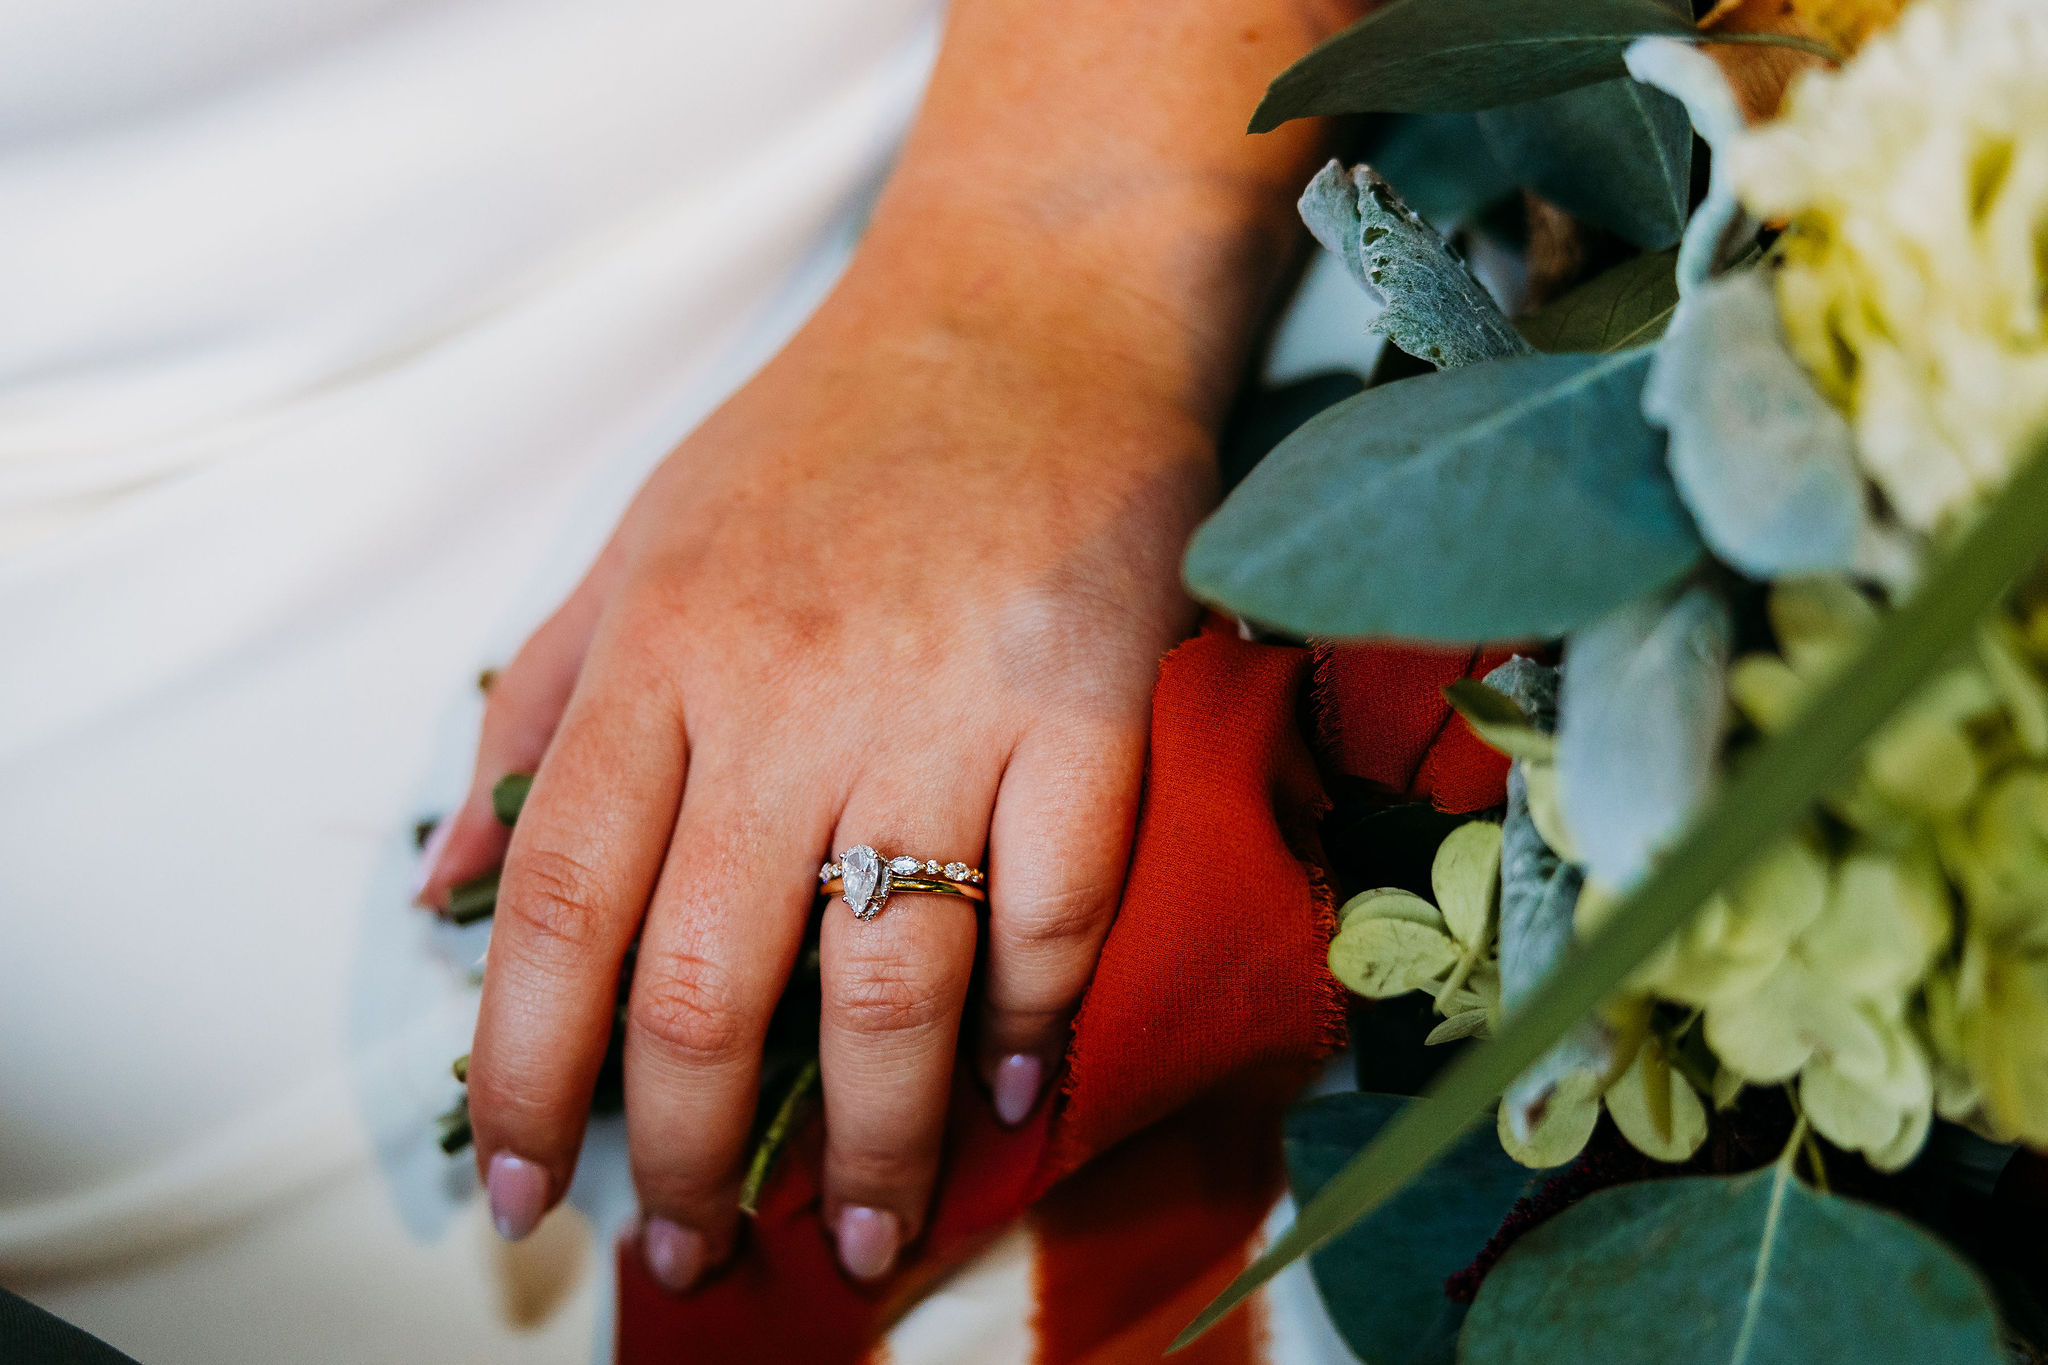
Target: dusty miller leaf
(1639, 727)
(1538, 892)
(1765, 463)
(1696, 81)
(1435, 310)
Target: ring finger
(894, 987)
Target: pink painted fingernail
(1014, 1086)
(519, 1194)
(868, 1239)
(675, 1254)
(430, 857)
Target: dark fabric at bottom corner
(30, 1336)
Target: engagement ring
(864, 879)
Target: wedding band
(865, 880)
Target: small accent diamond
(932, 866)
(904, 867)
(828, 872)
(975, 876)
(957, 871)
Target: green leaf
(1518, 498)
(1768, 795)
(1697, 81)
(1376, 956)
(474, 899)
(1383, 1281)
(1741, 1270)
(1629, 305)
(1499, 722)
(1450, 56)
(1435, 310)
(1466, 879)
(1443, 56)
(1264, 417)
(1442, 166)
(508, 796)
(1617, 154)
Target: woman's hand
(909, 589)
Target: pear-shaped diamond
(861, 869)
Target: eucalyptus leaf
(1771, 792)
(1628, 305)
(1640, 717)
(1765, 463)
(1450, 55)
(1754, 1269)
(1617, 154)
(1443, 166)
(1434, 309)
(1514, 499)
(1383, 1281)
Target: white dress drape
(333, 336)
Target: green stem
(779, 1131)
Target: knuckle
(507, 1101)
(688, 1006)
(1068, 918)
(882, 1172)
(555, 900)
(887, 998)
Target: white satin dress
(333, 336)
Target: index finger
(582, 865)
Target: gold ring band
(937, 886)
(865, 879)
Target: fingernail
(519, 1194)
(867, 1241)
(1014, 1087)
(430, 856)
(675, 1254)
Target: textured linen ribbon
(1212, 1002)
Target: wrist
(1158, 279)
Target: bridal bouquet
(1769, 895)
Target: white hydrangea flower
(1915, 183)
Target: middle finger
(726, 924)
